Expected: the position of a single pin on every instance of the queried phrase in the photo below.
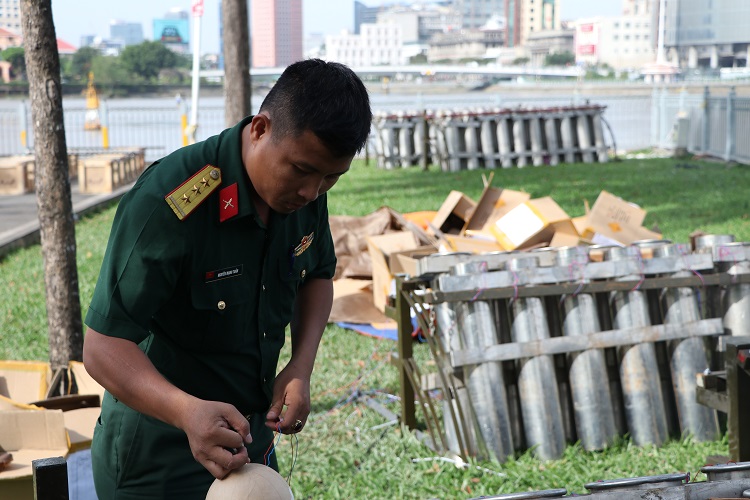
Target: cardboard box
(565, 235)
(381, 248)
(22, 382)
(613, 220)
(407, 262)
(492, 205)
(529, 224)
(454, 213)
(29, 435)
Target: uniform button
(263, 287)
(302, 273)
(264, 334)
(221, 305)
(265, 380)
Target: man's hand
(217, 433)
(291, 389)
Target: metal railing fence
(717, 125)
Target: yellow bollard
(105, 137)
(184, 124)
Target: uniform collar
(233, 169)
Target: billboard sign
(172, 31)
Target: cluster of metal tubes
(646, 389)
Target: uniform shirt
(208, 297)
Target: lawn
(346, 451)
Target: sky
(75, 18)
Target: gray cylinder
(592, 401)
(711, 298)
(736, 297)
(727, 472)
(639, 373)
(537, 382)
(688, 356)
(484, 382)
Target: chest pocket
(223, 309)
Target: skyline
(325, 17)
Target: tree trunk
(237, 89)
(57, 230)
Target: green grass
(344, 452)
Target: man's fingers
(240, 425)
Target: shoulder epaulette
(191, 193)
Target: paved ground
(19, 224)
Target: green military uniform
(206, 289)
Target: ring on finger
(297, 426)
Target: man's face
(289, 172)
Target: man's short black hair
(326, 98)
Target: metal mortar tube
(736, 298)
(447, 333)
(688, 356)
(711, 298)
(537, 383)
(639, 372)
(484, 382)
(592, 401)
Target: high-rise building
(126, 32)
(636, 7)
(707, 33)
(10, 15)
(525, 17)
(276, 32)
(364, 14)
(475, 13)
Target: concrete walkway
(19, 222)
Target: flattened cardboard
(454, 213)
(407, 262)
(528, 224)
(492, 205)
(353, 303)
(469, 244)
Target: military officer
(217, 248)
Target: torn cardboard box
(453, 213)
(614, 221)
(383, 250)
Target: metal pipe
(484, 382)
(592, 401)
(688, 356)
(644, 404)
(736, 298)
(537, 383)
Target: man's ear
(260, 126)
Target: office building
(364, 15)
(276, 32)
(126, 32)
(707, 33)
(524, 17)
(10, 15)
(476, 13)
(376, 45)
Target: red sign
(587, 50)
(197, 8)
